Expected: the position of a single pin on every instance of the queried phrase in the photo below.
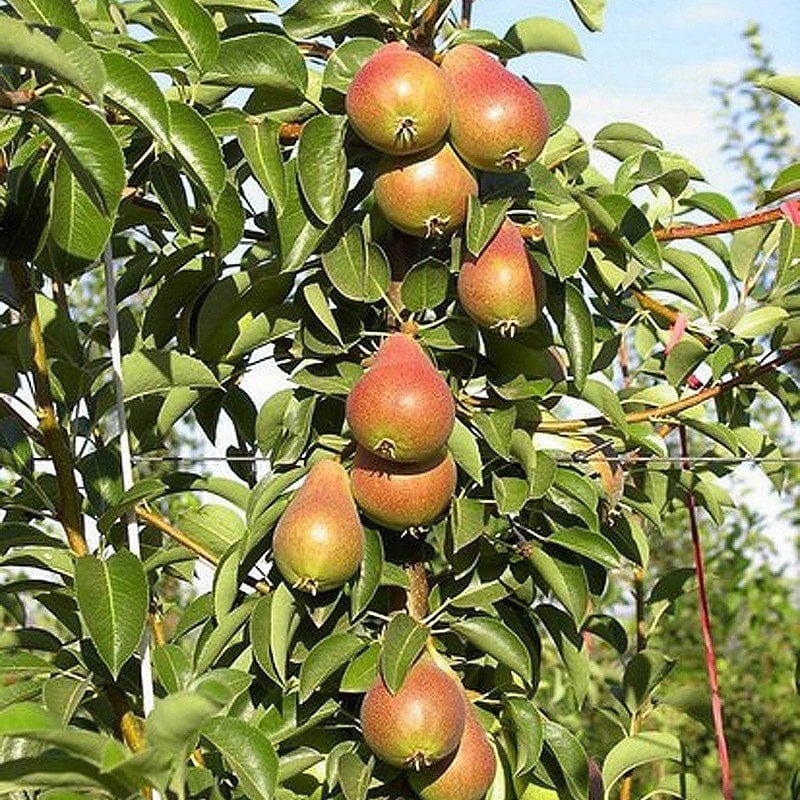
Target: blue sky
(654, 63)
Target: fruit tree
(504, 366)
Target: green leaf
(147, 372)
(197, 148)
(492, 636)
(483, 222)
(172, 667)
(591, 12)
(361, 672)
(58, 13)
(214, 527)
(587, 543)
(249, 754)
(308, 18)
(260, 142)
(510, 494)
(322, 165)
(497, 428)
(713, 203)
(166, 181)
(354, 776)
(605, 400)
(66, 56)
(78, 232)
(113, 598)
(358, 270)
(318, 302)
(325, 657)
(222, 635)
(683, 359)
(526, 721)
(571, 758)
(566, 581)
(403, 641)
(425, 285)
(464, 447)
(575, 324)
(786, 85)
(760, 321)
(369, 576)
(132, 89)
(284, 620)
(542, 34)
(261, 59)
(193, 27)
(632, 752)
(87, 144)
(567, 240)
(175, 722)
(345, 61)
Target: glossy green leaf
(157, 371)
(587, 543)
(226, 630)
(58, 13)
(113, 598)
(314, 295)
(167, 183)
(494, 637)
(214, 527)
(786, 85)
(249, 754)
(575, 324)
(526, 722)
(566, 581)
(358, 270)
(327, 656)
(510, 494)
(65, 56)
(634, 751)
(87, 144)
(362, 670)
(571, 758)
(483, 222)
(78, 231)
(425, 285)
(464, 447)
(130, 87)
(260, 142)
(261, 59)
(345, 61)
(354, 776)
(308, 18)
(193, 27)
(567, 240)
(591, 12)
(370, 572)
(197, 148)
(542, 34)
(760, 321)
(322, 165)
(403, 641)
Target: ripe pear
(419, 725)
(399, 101)
(402, 496)
(401, 409)
(319, 541)
(465, 775)
(498, 123)
(425, 195)
(503, 288)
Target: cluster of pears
(401, 413)
(430, 727)
(435, 125)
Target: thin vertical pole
(705, 623)
(134, 544)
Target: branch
(705, 624)
(466, 13)
(669, 409)
(52, 434)
(176, 534)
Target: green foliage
(206, 148)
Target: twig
(52, 434)
(705, 623)
(182, 538)
(466, 13)
(669, 409)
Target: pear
(425, 195)
(419, 725)
(465, 775)
(503, 288)
(319, 541)
(499, 123)
(403, 496)
(399, 102)
(401, 409)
